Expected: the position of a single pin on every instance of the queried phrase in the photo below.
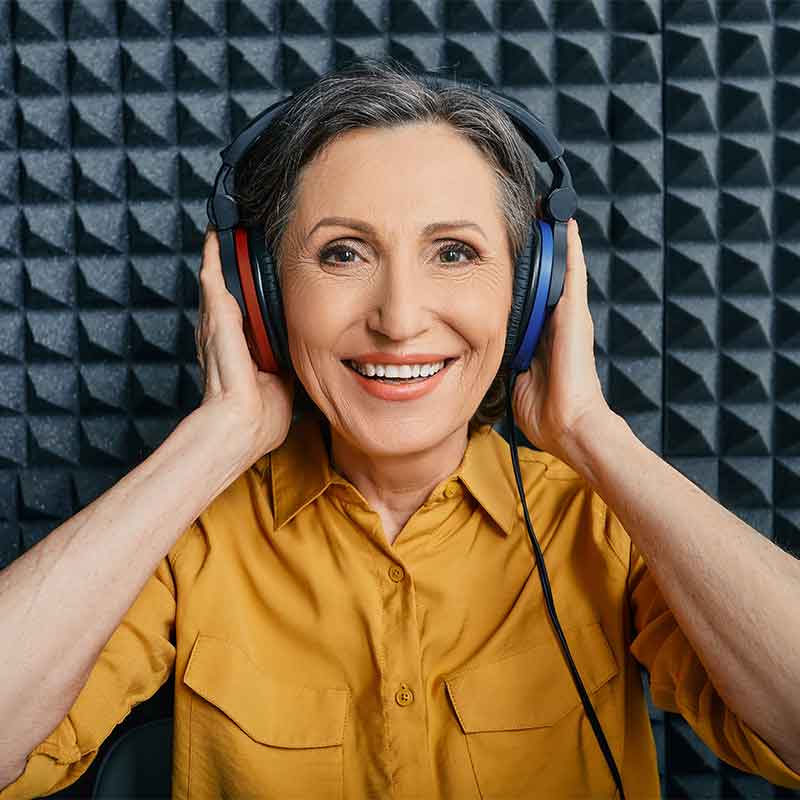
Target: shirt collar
(301, 471)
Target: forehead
(413, 171)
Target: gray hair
(383, 93)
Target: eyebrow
(365, 227)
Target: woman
(349, 599)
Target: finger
(575, 280)
(198, 339)
(217, 298)
(198, 328)
(211, 280)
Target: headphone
(250, 275)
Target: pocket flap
(269, 711)
(533, 688)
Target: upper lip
(389, 358)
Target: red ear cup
(254, 328)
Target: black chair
(138, 764)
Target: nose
(401, 297)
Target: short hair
(383, 93)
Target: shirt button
(404, 696)
(396, 573)
(451, 490)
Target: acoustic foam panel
(682, 131)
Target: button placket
(406, 723)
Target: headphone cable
(545, 581)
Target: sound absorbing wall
(681, 123)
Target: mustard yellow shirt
(315, 660)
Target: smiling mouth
(420, 379)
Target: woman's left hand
(560, 393)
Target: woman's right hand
(262, 401)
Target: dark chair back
(138, 764)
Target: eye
(460, 249)
(337, 249)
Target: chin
(398, 434)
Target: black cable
(551, 609)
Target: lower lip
(400, 391)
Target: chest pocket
(527, 733)
(254, 736)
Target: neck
(398, 483)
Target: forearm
(733, 592)
(61, 600)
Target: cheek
(315, 322)
(483, 316)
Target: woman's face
(383, 283)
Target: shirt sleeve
(680, 683)
(136, 660)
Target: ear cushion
(525, 278)
(268, 292)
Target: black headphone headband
(560, 204)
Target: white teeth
(397, 370)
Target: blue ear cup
(536, 290)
